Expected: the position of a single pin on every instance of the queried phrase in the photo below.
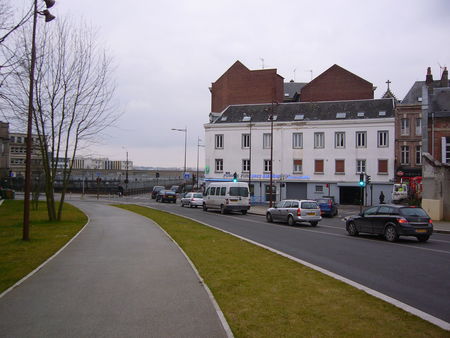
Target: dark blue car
(327, 206)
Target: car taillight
(330, 203)
(402, 220)
(430, 221)
(299, 213)
(192, 198)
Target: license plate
(311, 214)
(421, 230)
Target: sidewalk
(347, 210)
(121, 277)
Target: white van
(227, 196)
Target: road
(414, 273)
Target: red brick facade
(239, 85)
(336, 84)
(439, 128)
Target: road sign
(187, 176)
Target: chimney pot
(444, 78)
(429, 78)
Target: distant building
(4, 149)
(17, 155)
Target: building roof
(291, 89)
(308, 111)
(414, 95)
(441, 100)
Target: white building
(319, 148)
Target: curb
(405, 307)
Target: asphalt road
(414, 273)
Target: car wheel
(390, 233)
(244, 212)
(423, 238)
(222, 209)
(269, 217)
(204, 207)
(314, 224)
(351, 229)
(291, 220)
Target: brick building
(337, 84)
(240, 85)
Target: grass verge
(263, 294)
(18, 257)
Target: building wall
(336, 84)
(284, 154)
(437, 128)
(17, 155)
(414, 138)
(239, 85)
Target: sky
(167, 54)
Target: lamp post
(271, 155)
(26, 203)
(198, 151)
(184, 130)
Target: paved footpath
(121, 277)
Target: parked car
(166, 196)
(156, 189)
(227, 196)
(193, 199)
(293, 211)
(392, 221)
(175, 188)
(328, 206)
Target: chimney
(444, 78)
(429, 78)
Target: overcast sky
(169, 53)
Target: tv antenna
(262, 62)
(311, 71)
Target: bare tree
(73, 99)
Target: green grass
(263, 294)
(18, 257)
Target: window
(383, 137)
(446, 149)
(13, 139)
(266, 141)
(340, 166)
(245, 165)
(361, 139)
(404, 127)
(339, 139)
(223, 191)
(219, 141)
(219, 165)
(418, 126)
(360, 166)
(297, 140)
(319, 140)
(298, 166)
(404, 155)
(382, 166)
(318, 166)
(319, 189)
(245, 140)
(418, 154)
(267, 165)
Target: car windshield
(239, 191)
(322, 200)
(413, 212)
(309, 205)
(198, 196)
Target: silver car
(193, 199)
(293, 211)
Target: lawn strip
(17, 257)
(263, 294)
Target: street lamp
(198, 150)
(26, 203)
(184, 130)
(271, 154)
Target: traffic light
(235, 177)
(362, 183)
(367, 179)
